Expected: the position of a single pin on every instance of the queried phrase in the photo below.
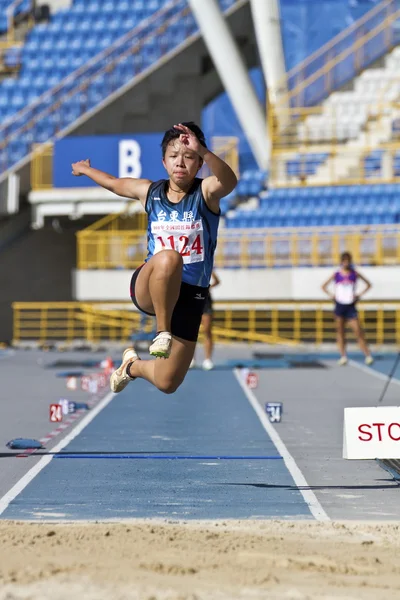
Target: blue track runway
(209, 417)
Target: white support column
(13, 194)
(267, 25)
(233, 74)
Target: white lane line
(44, 461)
(309, 497)
(370, 371)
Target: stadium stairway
(356, 118)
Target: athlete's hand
(190, 140)
(78, 167)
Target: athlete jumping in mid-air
(183, 216)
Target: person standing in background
(206, 324)
(345, 297)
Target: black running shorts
(188, 310)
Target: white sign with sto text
(371, 432)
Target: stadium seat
(322, 206)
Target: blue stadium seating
(228, 202)
(251, 183)
(305, 164)
(373, 164)
(322, 206)
(74, 36)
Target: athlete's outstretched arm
(325, 287)
(124, 186)
(222, 181)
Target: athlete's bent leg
(157, 290)
(167, 375)
(158, 285)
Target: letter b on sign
(129, 159)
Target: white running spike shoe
(342, 361)
(369, 360)
(161, 345)
(208, 364)
(120, 379)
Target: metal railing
(345, 138)
(9, 41)
(227, 148)
(42, 167)
(343, 57)
(135, 222)
(336, 164)
(374, 245)
(124, 56)
(11, 13)
(287, 323)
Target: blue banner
(126, 155)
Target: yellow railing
(227, 148)
(11, 12)
(353, 49)
(126, 222)
(331, 143)
(253, 248)
(341, 145)
(256, 322)
(9, 41)
(338, 165)
(42, 167)
(333, 126)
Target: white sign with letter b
(129, 159)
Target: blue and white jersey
(189, 227)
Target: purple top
(345, 287)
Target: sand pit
(193, 561)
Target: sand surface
(192, 561)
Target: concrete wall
(247, 284)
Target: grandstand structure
(108, 67)
(101, 68)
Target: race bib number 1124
(188, 241)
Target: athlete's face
(181, 163)
(346, 264)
